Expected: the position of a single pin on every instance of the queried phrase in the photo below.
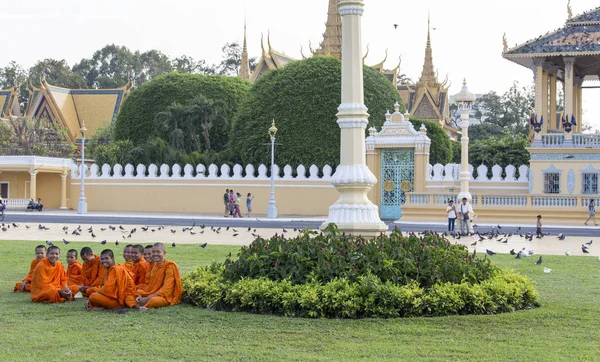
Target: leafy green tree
(56, 72)
(232, 60)
(509, 111)
(11, 75)
(38, 137)
(303, 98)
(135, 120)
(485, 130)
(187, 64)
(440, 150)
(504, 150)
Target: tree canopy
(303, 98)
(135, 121)
(440, 150)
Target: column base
(63, 208)
(356, 219)
(464, 194)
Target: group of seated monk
(145, 280)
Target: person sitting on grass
(74, 271)
(91, 271)
(140, 266)
(49, 280)
(128, 263)
(117, 288)
(148, 254)
(25, 285)
(163, 288)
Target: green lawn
(565, 328)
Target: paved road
(289, 223)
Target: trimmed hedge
(303, 98)
(505, 291)
(400, 259)
(135, 121)
(337, 276)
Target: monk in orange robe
(148, 254)
(25, 285)
(74, 271)
(128, 261)
(49, 280)
(91, 271)
(164, 285)
(117, 288)
(140, 266)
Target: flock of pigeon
(127, 234)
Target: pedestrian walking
(236, 203)
(226, 203)
(231, 202)
(538, 227)
(249, 199)
(592, 212)
(451, 211)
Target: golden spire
(245, 66)
(428, 75)
(332, 37)
(569, 11)
(504, 44)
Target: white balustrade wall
(200, 172)
(451, 173)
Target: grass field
(565, 328)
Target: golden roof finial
(366, 53)
(428, 76)
(569, 10)
(269, 41)
(262, 46)
(504, 44)
(245, 66)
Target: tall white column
(353, 212)
(569, 94)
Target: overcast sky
(467, 40)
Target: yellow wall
(16, 183)
(48, 189)
(202, 196)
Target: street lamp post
(464, 99)
(272, 209)
(82, 205)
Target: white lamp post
(272, 209)
(82, 205)
(464, 100)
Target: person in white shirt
(451, 211)
(464, 213)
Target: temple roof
(269, 60)
(72, 107)
(332, 37)
(579, 37)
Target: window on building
(590, 183)
(552, 183)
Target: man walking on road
(226, 202)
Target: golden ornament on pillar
(389, 185)
(405, 185)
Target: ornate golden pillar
(33, 185)
(544, 99)
(569, 93)
(63, 190)
(578, 104)
(552, 111)
(538, 76)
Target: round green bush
(440, 150)
(135, 121)
(303, 98)
(337, 276)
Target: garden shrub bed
(338, 276)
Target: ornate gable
(426, 109)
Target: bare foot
(143, 309)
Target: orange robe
(27, 289)
(139, 273)
(165, 281)
(115, 291)
(92, 276)
(46, 281)
(74, 274)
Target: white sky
(467, 41)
